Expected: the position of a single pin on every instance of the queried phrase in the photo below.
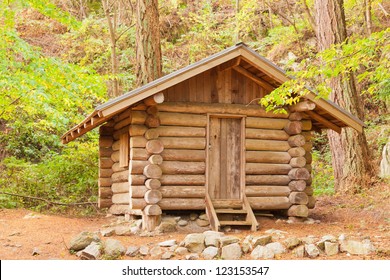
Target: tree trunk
(350, 154)
(148, 42)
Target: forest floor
(356, 216)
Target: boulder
(202, 223)
(210, 253)
(91, 252)
(113, 248)
(107, 232)
(167, 255)
(326, 238)
(144, 250)
(194, 242)
(246, 245)
(276, 247)
(193, 216)
(82, 240)
(123, 230)
(231, 252)
(132, 251)
(356, 247)
(203, 217)
(226, 240)
(212, 238)
(156, 252)
(299, 251)
(261, 240)
(167, 226)
(311, 250)
(168, 243)
(193, 256)
(291, 242)
(262, 252)
(182, 223)
(331, 248)
(181, 251)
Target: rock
(226, 240)
(202, 223)
(246, 245)
(227, 228)
(168, 243)
(15, 233)
(342, 237)
(182, 223)
(262, 252)
(308, 240)
(167, 255)
(36, 251)
(32, 216)
(107, 232)
(181, 251)
(309, 221)
(132, 251)
(261, 240)
(295, 220)
(113, 248)
(123, 230)
(299, 251)
(167, 226)
(210, 253)
(193, 256)
(156, 252)
(385, 162)
(276, 247)
(82, 240)
(331, 248)
(231, 252)
(212, 238)
(194, 242)
(312, 250)
(144, 250)
(193, 216)
(356, 247)
(275, 231)
(91, 252)
(292, 242)
(326, 238)
(203, 217)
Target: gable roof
(327, 114)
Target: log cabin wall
(105, 165)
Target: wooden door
(225, 157)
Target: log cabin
(196, 139)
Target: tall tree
(149, 66)
(350, 154)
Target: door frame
(243, 149)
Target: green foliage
(323, 179)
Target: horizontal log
(218, 108)
(117, 168)
(105, 162)
(266, 134)
(115, 156)
(265, 191)
(269, 203)
(182, 204)
(123, 123)
(181, 131)
(296, 140)
(137, 166)
(152, 210)
(116, 145)
(106, 130)
(266, 145)
(267, 169)
(183, 167)
(297, 152)
(121, 176)
(187, 180)
(297, 185)
(137, 203)
(192, 143)
(298, 211)
(182, 119)
(152, 196)
(104, 182)
(154, 99)
(267, 157)
(121, 198)
(137, 130)
(105, 192)
(137, 180)
(299, 174)
(120, 187)
(118, 209)
(138, 117)
(152, 184)
(152, 171)
(265, 123)
(293, 127)
(105, 172)
(183, 191)
(184, 155)
(154, 146)
(302, 106)
(298, 198)
(104, 203)
(312, 202)
(105, 141)
(226, 203)
(277, 180)
(105, 152)
(139, 154)
(137, 142)
(155, 159)
(137, 191)
(151, 133)
(123, 115)
(298, 162)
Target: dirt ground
(358, 216)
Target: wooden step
(226, 203)
(235, 223)
(230, 211)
